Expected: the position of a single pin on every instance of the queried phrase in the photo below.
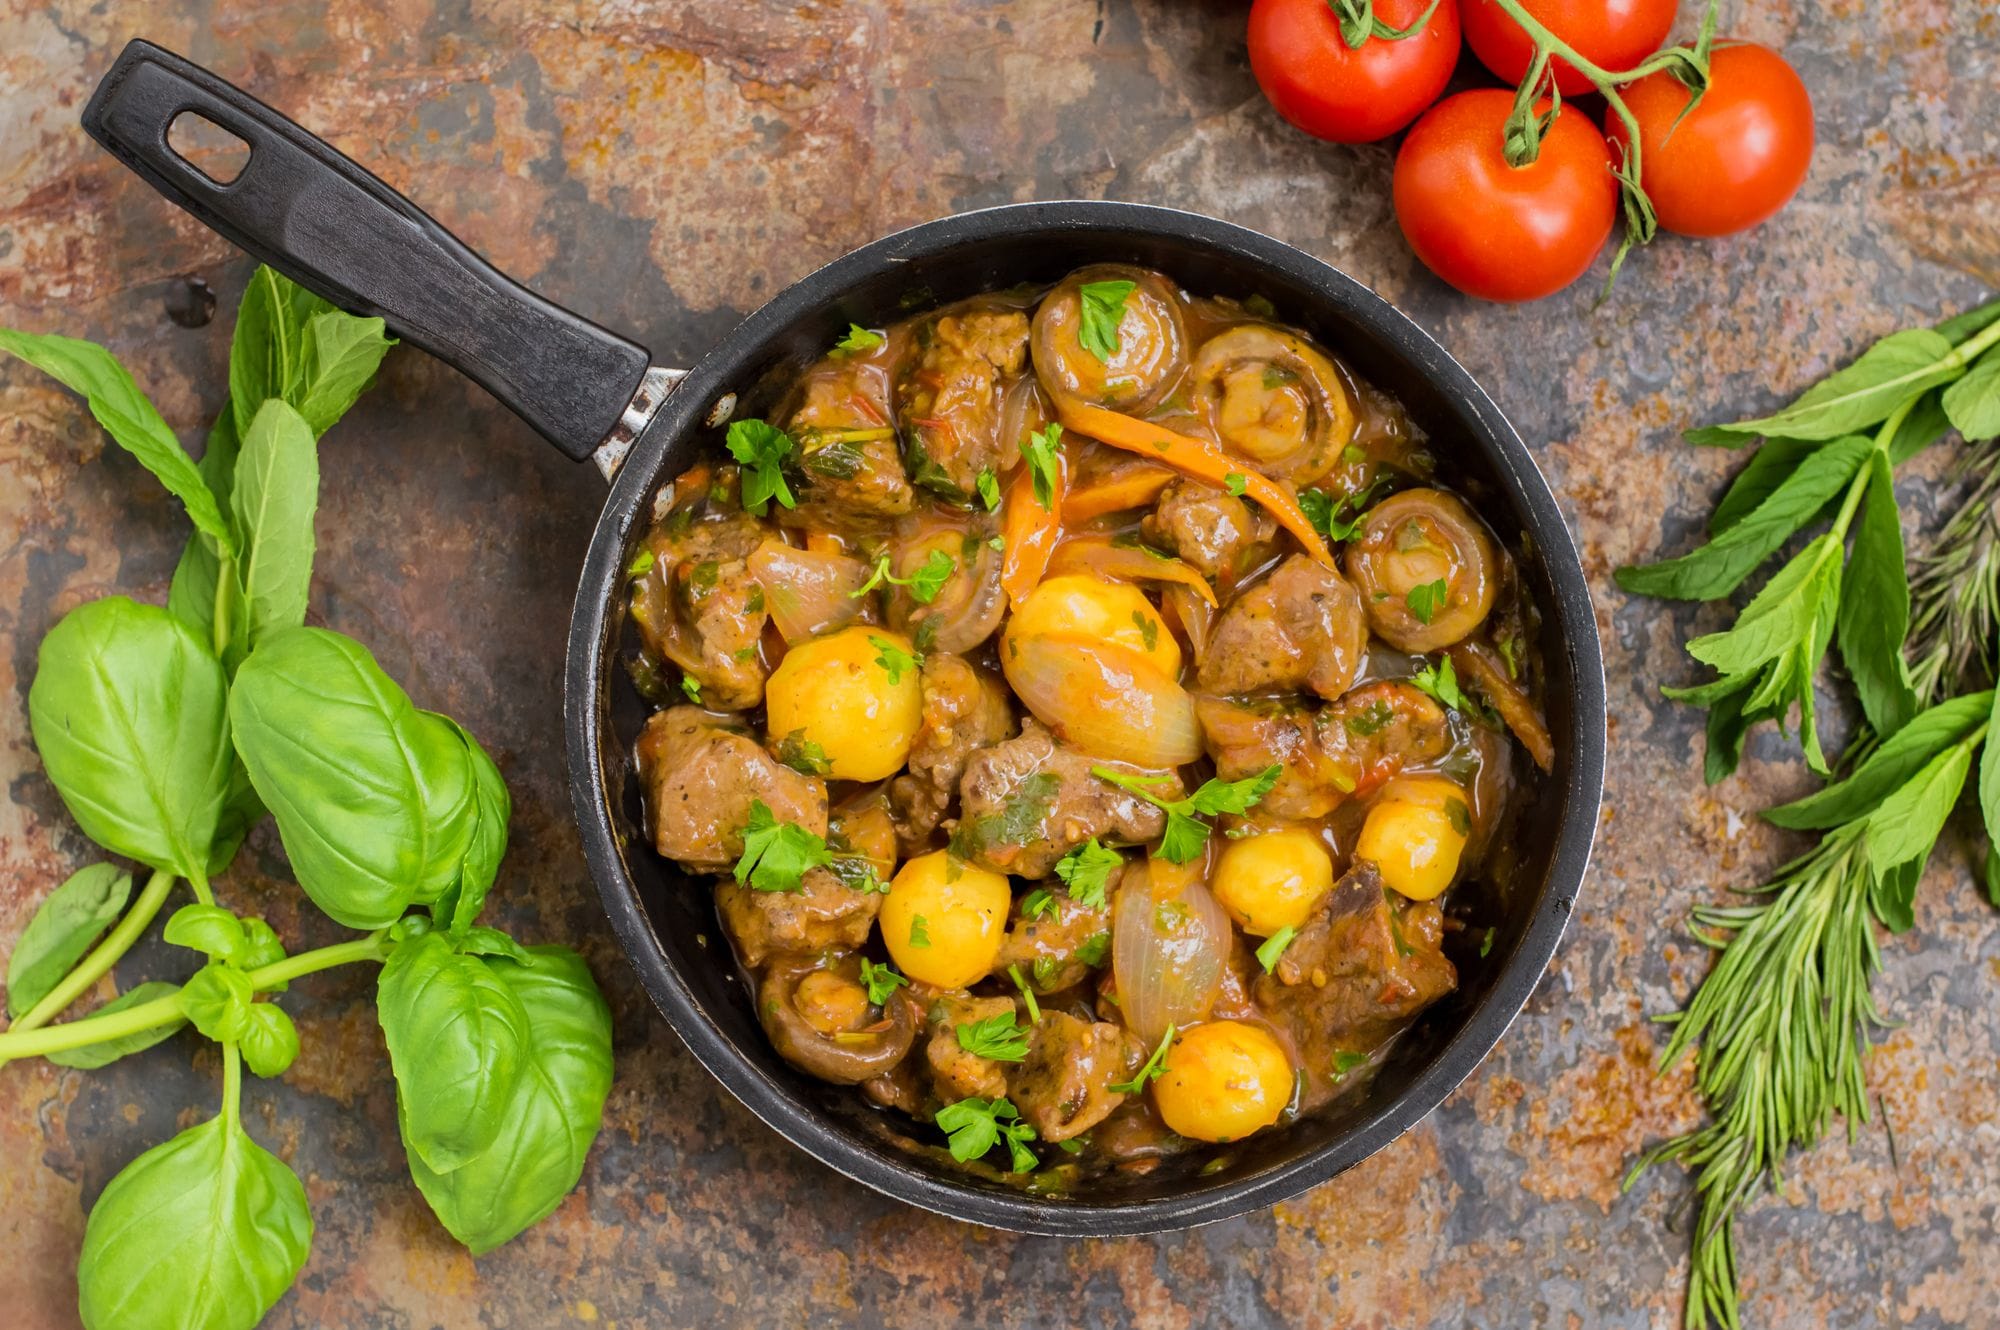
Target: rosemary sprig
(1955, 589)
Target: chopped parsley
(1102, 306)
(1155, 1065)
(1094, 949)
(762, 449)
(997, 543)
(892, 658)
(1000, 1038)
(642, 562)
(1236, 482)
(1440, 680)
(1149, 628)
(882, 981)
(1039, 451)
(1459, 815)
(1027, 994)
(989, 489)
(1338, 519)
(919, 935)
(1186, 834)
(1045, 970)
(803, 755)
(858, 339)
(1486, 943)
(777, 855)
(1274, 947)
(1087, 871)
(1426, 600)
(858, 873)
(1370, 721)
(923, 585)
(692, 687)
(976, 1125)
(1510, 653)
(1038, 902)
(1344, 1062)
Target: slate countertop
(665, 168)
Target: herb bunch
(1782, 1025)
(169, 732)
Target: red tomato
(1738, 157)
(1612, 34)
(1331, 91)
(1496, 231)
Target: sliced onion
(1125, 563)
(1106, 700)
(807, 591)
(1196, 617)
(1170, 941)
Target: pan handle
(337, 230)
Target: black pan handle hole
(215, 152)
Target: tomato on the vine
(1494, 230)
(1738, 157)
(1614, 35)
(1351, 94)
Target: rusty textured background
(665, 167)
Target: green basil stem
(23, 1043)
(232, 1080)
(93, 967)
(225, 585)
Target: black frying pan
(323, 221)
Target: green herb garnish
(1000, 1038)
(1086, 871)
(976, 1125)
(1101, 307)
(1040, 453)
(857, 340)
(1153, 1068)
(1274, 947)
(762, 449)
(777, 855)
(1426, 600)
(881, 980)
(1186, 834)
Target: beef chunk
(1058, 948)
(701, 777)
(1213, 530)
(1303, 626)
(1346, 748)
(849, 468)
(955, 1073)
(1063, 1087)
(1028, 802)
(949, 398)
(825, 912)
(965, 709)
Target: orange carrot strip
(1127, 563)
(1134, 487)
(1194, 457)
(1475, 662)
(1029, 530)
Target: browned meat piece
(1028, 802)
(848, 466)
(700, 779)
(949, 399)
(1376, 730)
(1348, 747)
(955, 1073)
(1063, 1087)
(965, 709)
(818, 1016)
(1303, 626)
(824, 913)
(902, 1087)
(1215, 531)
(698, 605)
(1046, 947)
(1364, 965)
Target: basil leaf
(267, 350)
(92, 1056)
(128, 711)
(546, 1127)
(1717, 568)
(375, 800)
(205, 1232)
(1973, 403)
(269, 1041)
(277, 490)
(1875, 608)
(217, 1000)
(492, 807)
(130, 420)
(458, 1042)
(191, 597)
(1905, 826)
(61, 932)
(1975, 320)
(208, 929)
(1886, 375)
(1887, 769)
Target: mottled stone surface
(665, 167)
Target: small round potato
(944, 920)
(1224, 1080)
(1416, 833)
(1272, 879)
(1091, 608)
(836, 692)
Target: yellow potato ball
(1224, 1080)
(851, 698)
(944, 920)
(1416, 833)
(1272, 879)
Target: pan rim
(1525, 490)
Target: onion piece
(1196, 617)
(807, 591)
(1106, 700)
(1125, 563)
(1170, 943)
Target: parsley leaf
(642, 562)
(919, 935)
(1338, 519)
(1344, 1062)
(762, 449)
(1039, 453)
(1440, 680)
(1094, 949)
(1186, 834)
(882, 981)
(858, 874)
(1102, 308)
(1426, 600)
(1155, 1065)
(1087, 871)
(858, 339)
(1274, 947)
(803, 755)
(1000, 1038)
(989, 489)
(923, 585)
(1037, 903)
(1486, 943)
(976, 1125)
(777, 855)
(692, 687)
(1027, 994)
(893, 658)
(1235, 482)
